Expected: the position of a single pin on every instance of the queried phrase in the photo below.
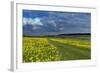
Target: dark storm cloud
(50, 23)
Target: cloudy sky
(40, 23)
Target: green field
(44, 49)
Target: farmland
(44, 49)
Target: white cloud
(61, 28)
(35, 27)
(52, 23)
(32, 21)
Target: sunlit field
(46, 49)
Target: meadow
(45, 49)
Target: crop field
(45, 49)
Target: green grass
(44, 49)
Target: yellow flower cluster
(39, 50)
(73, 42)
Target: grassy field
(44, 49)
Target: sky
(41, 23)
